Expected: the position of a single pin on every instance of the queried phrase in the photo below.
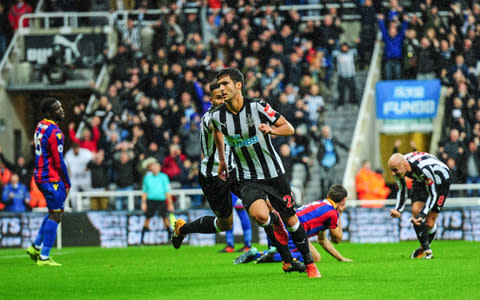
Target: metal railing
(79, 200)
(451, 201)
(69, 19)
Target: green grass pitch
(380, 271)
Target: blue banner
(407, 99)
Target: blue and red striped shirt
(318, 216)
(49, 163)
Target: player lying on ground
(316, 218)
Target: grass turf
(379, 271)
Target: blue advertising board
(407, 99)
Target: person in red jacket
(16, 11)
(90, 136)
(173, 163)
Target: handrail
(70, 19)
(182, 194)
(6, 57)
(363, 118)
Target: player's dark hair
(213, 86)
(233, 73)
(46, 105)
(337, 193)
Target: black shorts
(153, 206)
(218, 194)
(276, 190)
(420, 193)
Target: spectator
(327, 157)
(345, 62)
(5, 175)
(287, 160)
(328, 34)
(77, 159)
(300, 148)
(315, 104)
(427, 60)
(472, 165)
(100, 172)
(189, 134)
(21, 167)
(453, 147)
(173, 163)
(87, 141)
(368, 30)
(16, 11)
(411, 46)
(124, 176)
(393, 40)
(130, 33)
(15, 195)
(370, 185)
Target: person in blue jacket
(393, 47)
(15, 195)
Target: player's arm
(315, 254)
(220, 144)
(281, 127)
(401, 197)
(325, 243)
(56, 152)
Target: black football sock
(274, 218)
(205, 224)
(299, 237)
(422, 235)
(282, 249)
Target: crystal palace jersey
(255, 157)
(49, 163)
(210, 161)
(318, 216)
(426, 169)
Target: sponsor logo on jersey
(269, 110)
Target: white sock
(434, 228)
(216, 226)
(266, 223)
(294, 227)
(43, 257)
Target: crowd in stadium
(158, 93)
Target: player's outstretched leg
(177, 236)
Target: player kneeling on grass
(316, 218)
(431, 184)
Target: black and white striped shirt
(210, 161)
(253, 151)
(426, 169)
